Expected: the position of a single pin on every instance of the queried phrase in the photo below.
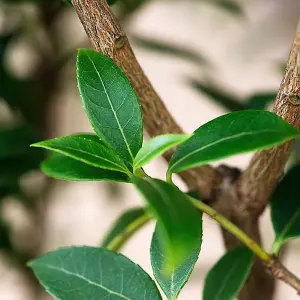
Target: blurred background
(204, 57)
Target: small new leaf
(172, 285)
(225, 279)
(87, 149)
(124, 227)
(81, 273)
(231, 134)
(110, 103)
(63, 167)
(285, 209)
(156, 147)
(176, 215)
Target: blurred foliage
(169, 49)
(218, 95)
(231, 102)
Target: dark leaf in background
(4, 42)
(172, 285)
(221, 97)
(13, 168)
(228, 275)
(156, 147)
(169, 49)
(15, 141)
(120, 227)
(260, 101)
(5, 241)
(85, 273)
(285, 208)
(230, 6)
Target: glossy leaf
(176, 215)
(285, 208)
(231, 134)
(172, 285)
(87, 149)
(156, 147)
(121, 230)
(260, 101)
(218, 95)
(110, 103)
(85, 273)
(226, 278)
(63, 167)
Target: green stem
(238, 233)
(276, 247)
(140, 173)
(118, 241)
(169, 177)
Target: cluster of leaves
(116, 153)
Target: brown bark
(241, 198)
(266, 167)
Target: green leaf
(260, 101)
(124, 227)
(285, 208)
(110, 103)
(87, 149)
(172, 284)
(176, 215)
(231, 134)
(85, 273)
(60, 166)
(156, 147)
(226, 278)
(218, 95)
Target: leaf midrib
(84, 279)
(112, 108)
(81, 159)
(220, 141)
